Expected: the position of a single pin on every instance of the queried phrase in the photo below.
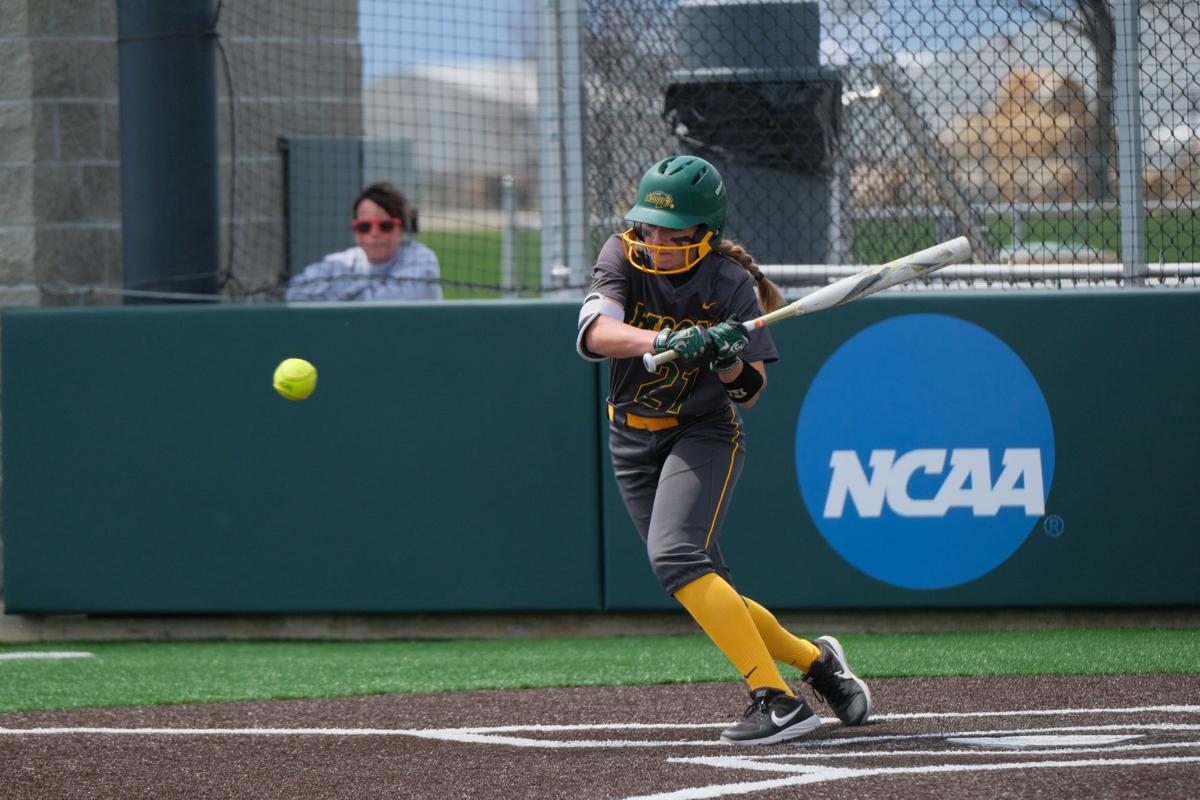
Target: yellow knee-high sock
(783, 646)
(719, 610)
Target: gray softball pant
(677, 484)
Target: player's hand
(729, 340)
(694, 343)
(660, 341)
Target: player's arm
(614, 339)
(604, 334)
(745, 382)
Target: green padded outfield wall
(447, 460)
(1117, 371)
(150, 468)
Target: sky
(401, 33)
(916, 25)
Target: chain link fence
(322, 99)
(853, 132)
(849, 132)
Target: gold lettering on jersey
(648, 320)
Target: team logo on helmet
(660, 199)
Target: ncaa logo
(925, 451)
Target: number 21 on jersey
(669, 388)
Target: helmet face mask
(660, 259)
(677, 193)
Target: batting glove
(660, 341)
(694, 343)
(729, 340)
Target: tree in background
(1093, 20)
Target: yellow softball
(295, 378)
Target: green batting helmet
(679, 192)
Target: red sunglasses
(385, 225)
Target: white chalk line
(35, 654)
(1041, 740)
(466, 736)
(796, 774)
(1010, 759)
(461, 737)
(1170, 709)
(491, 735)
(488, 734)
(1046, 712)
(825, 774)
(844, 741)
(761, 760)
(978, 751)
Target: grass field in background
(1170, 234)
(471, 259)
(153, 673)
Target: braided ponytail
(769, 296)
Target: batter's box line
(494, 734)
(601, 726)
(1169, 709)
(488, 736)
(896, 737)
(819, 774)
(443, 735)
(1120, 746)
(827, 774)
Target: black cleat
(830, 677)
(773, 716)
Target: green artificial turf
(150, 673)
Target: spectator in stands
(387, 264)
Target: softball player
(671, 282)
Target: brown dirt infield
(1100, 737)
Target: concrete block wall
(60, 223)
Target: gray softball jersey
(716, 289)
(677, 482)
